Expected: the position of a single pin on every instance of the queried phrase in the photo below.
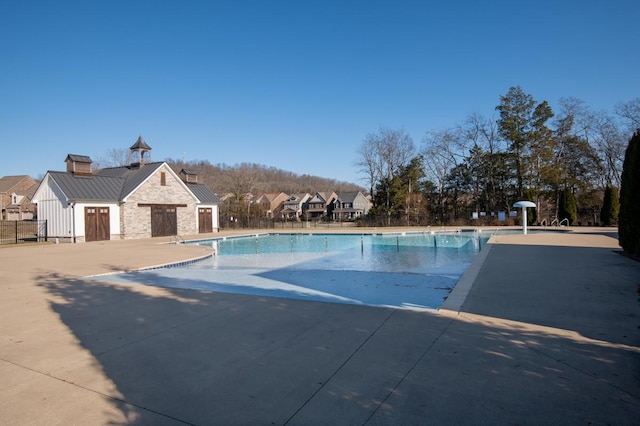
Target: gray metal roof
(133, 176)
(140, 144)
(94, 188)
(79, 158)
(203, 193)
(115, 183)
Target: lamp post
(524, 205)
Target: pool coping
(457, 297)
(158, 266)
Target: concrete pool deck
(547, 333)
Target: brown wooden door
(96, 224)
(205, 219)
(164, 221)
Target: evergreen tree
(629, 218)
(567, 208)
(610, 207)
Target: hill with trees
(250, 178)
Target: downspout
(73, 220)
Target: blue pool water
(410, 271)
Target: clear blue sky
(290, 84)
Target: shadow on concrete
(192, 357)
(591, 291)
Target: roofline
(160, 164)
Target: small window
(163, 179)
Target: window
(163, 179)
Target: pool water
(408, 271)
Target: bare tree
(482, 143)
(368, 163)
(630, 111)
(384, 154)
(114, 157)
(441, 152)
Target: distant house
(140, 200)
(270, 205)
(16, 193)
(350, 206)
(321, 205)
(295, 205)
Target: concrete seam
(364, 342)
(586, 373)
(111, 397)
(402, 379)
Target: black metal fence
(262, 223)
(22, 231)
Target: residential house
(270, 205)
(294, 206)
(321, 205)
(142, 199)
(16, 193)
(350, 206)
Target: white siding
(114, 219)
(214, 220)
(53, 207)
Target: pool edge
(455, 300)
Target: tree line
(564, 161)
(238, 185)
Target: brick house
(271, 204)
(143, 199)
(16, 193)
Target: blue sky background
(295, 85)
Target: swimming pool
(407, 271)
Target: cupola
(139, 153)
(189, 176)
(78, 165)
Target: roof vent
(78, 165)
(189, 176)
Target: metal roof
(116, 183)
(78, 158)
(134, 176)
(96, 188)
(203, 193)
(140, 144)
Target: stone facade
(135, 221)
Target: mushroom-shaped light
(524, 205)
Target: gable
(137, 177)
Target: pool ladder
(176, 239)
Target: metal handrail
(176, 239)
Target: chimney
(189, 176)
(78, 165)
